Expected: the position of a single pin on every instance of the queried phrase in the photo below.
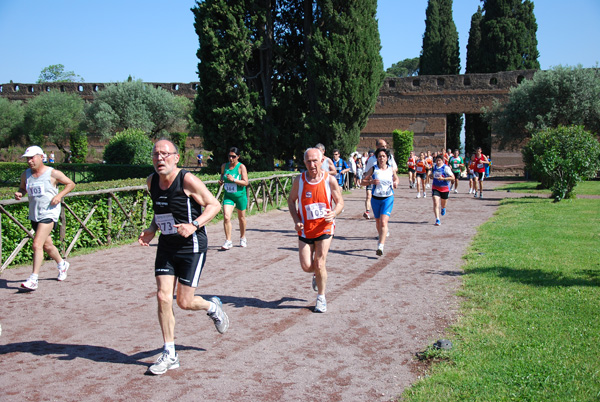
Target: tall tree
(57, 73)
(508, 36)
(347, 69)
(134, 104)
(53, 116)
(477, 130)
(441, 55)
(226, 107)
(277, 77)
(404, 68)
(508, 42)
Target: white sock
(170, 348)
(212, 308)
(34, 277)
(61, 264)
(321, 297)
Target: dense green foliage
(528, 327)
(561, 157)
(179, 140)
(441, 55)
(404, 68)
(508, 37)
(10, 172)
(57, 73)
(12, 115)
(129, 147)
(53, 116)
(79, 146)
(99, 225)
(403, 144)
(560, 96)
(279, 77)
(134, 104)
(502, 37)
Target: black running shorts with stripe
(185, 266)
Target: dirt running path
(93, 336)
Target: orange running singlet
(314, 199)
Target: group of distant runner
(183, 206)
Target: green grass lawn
(529, 327)
(583, 188)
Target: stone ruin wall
(418, 104)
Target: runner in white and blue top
(384, 179)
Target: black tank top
(174, 206)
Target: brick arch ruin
(419, 104)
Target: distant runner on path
(234, 178)
(39, 183)
(310, 203)
(442, 176)
(178, 199)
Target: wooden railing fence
(262, 192)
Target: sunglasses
(232, 156)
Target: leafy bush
(179, 140)
(561, 157)
(403, 144)
(129, 147)
(79, 146)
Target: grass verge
(529, 328)
(583, 188)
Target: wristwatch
(196, 224)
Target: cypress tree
(276, 77)
(441, 55)
(507, 30)
(508, 36)
(347, 70)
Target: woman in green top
(234, 178)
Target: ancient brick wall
(418, 104)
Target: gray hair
(310, 149)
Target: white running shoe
(165, 362)
(419, 195)
(379, 251)
(227, 245)
(243, 242)
(321, 305)
(62, 272)
(219, 317)
(470, 191)
(30, 284)
(427, 186)
(424, 195)
(455, 191)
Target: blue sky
(152, 40)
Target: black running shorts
(185, 266)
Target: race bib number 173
(165, 223)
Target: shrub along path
(93, 336)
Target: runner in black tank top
(184, 210)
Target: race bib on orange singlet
(315, 211)
(165, 223)
(36, 190)
(230, 187)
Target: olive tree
(561, 157)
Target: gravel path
(92, 337)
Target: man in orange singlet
(310, 202)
